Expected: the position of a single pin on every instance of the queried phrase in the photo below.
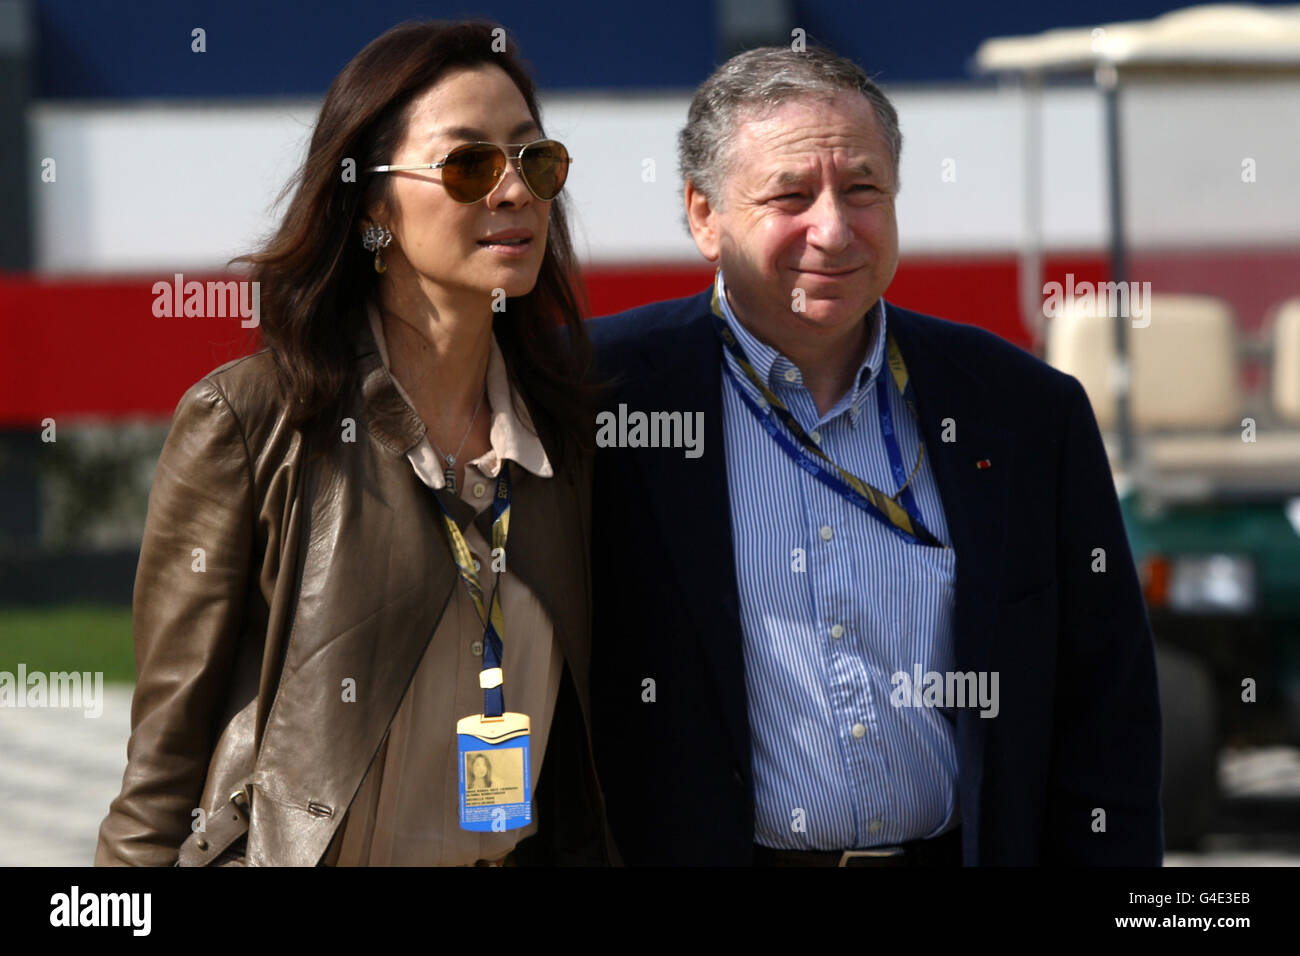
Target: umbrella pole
(1107, 78)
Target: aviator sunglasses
(470, 172)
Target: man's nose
(828, 223)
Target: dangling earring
(375, 238)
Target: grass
(71, 638)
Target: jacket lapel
(544, 511)
(370, 596)
(690, 500)
(975, 505)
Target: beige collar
(512, 435)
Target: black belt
(943, 850)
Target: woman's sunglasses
(472, 171)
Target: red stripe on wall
(92, 348)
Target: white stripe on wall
(161, 186)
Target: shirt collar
(512, 433)
(778, 372)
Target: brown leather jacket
(316, 569)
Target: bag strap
(223, 828)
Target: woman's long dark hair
(316, 277)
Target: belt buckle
(873, 856)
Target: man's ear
(703, 220)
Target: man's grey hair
(758, 81)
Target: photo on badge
(494, 782)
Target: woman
(308, 646)
(480, 772)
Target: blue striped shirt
(832, 604)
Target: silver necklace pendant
(449, 473)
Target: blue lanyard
(814, 466)
(489, 613)
(901, 516)
(891, 447)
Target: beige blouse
(406, 812)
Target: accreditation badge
(495, 773)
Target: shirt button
(476, 648)
(816, 436)
(874, 826)
(477, 566)
(859, 731)
(837, 631)
(479, 489)
(792, 375)
(826, 532)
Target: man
(883, 609)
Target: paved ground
(59, 771)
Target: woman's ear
(377, 213)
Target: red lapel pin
(983, 464)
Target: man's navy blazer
(1046, 594)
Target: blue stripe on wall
(141, 48)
